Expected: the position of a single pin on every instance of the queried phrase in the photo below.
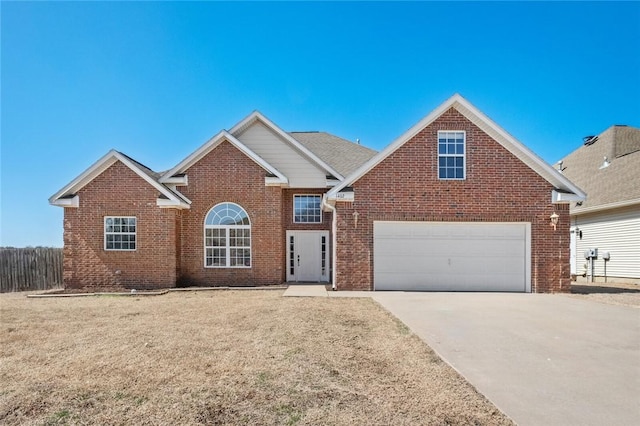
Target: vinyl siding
(616, 231)
(302, 173)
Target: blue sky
(156, 80)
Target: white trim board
(173, 198)
(577, 212)
(211, 144)
(257, 116)
(474, 115)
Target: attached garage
(452, 256)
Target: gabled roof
(61, 197)
(257, 116)
(551, 175)
(615, 185)
(212, 143)
(341, 154)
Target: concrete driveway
(542, 359)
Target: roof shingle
(344, 156)
(617, 182)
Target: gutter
(578, 211)
(334, 239)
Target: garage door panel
(441, 256)
(447, 282)
(456, 251)
(438, 263)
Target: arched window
(227, 237)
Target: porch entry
(308, 256)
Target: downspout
(334, 240)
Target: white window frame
(463, 155)
(134, 233)
(307, 195)
(228, 247)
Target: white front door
(308, 256)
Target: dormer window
(451, 155)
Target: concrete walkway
(306, 290)
(315, 290)
(541, 359)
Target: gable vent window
(451, 155)
(119, 233)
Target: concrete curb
(119, 294)
(151, 293)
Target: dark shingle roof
(619, 181)
(344, 156)
(153, 175)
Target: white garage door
(452, 256)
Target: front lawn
(223, 357)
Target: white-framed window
(451, 155)
(227, 237)
(307, 209)
(120, 233)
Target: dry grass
(250, 357)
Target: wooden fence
(37, 268)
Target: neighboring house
(455, 203)
(607, 168)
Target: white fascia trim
(518, 149)
(274, 181)
(94, 170)
(67, 202)
(255, 157)
(163, 203)
(191, 159)
(392, 147)
(609, 206)
(178, 193)
(558, 197)
(332, 182)
(212, 143)
(470, 112)
(257, 115)
(100, 166)
(176, 180)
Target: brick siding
(498, 188)
(170, 242)
(225, 174)
(118, 191)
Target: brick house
(455, 203)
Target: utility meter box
(606, 255)
(591, 254)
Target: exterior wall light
(554, 220)
(355, 220)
